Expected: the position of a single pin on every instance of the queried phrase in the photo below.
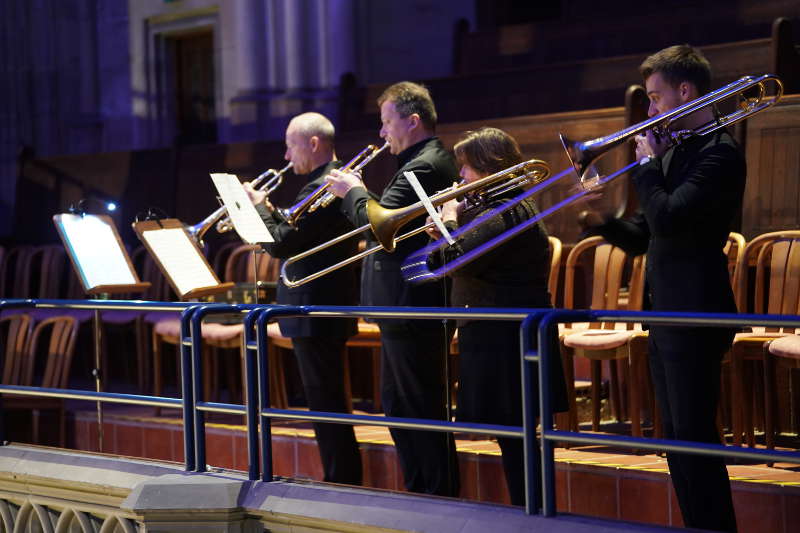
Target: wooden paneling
(563, 86)
(772, 195)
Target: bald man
(319, 344)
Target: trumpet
(266, 181)
(583, 154)
(385, 223)
(321, 197)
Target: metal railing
(543, 356)
(259, 415)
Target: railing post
(532, 483)
(187, 389)
(251, 389)
(263, 382)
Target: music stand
(179, 258)
(103, 267)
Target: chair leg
(376, 380)
(616, 396)
(746, 401)
(157, 380)
(348, 388)
(634, 396)
(62, 427)
(737, 395)
(770, 407)
(142, 358)
(35, 421)
(567, 356)
(597, 374)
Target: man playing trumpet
(319, 344)
(413, 351)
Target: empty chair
(776, 291)
(609, 341)
(45, 362)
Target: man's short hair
(311, 124)
(677, 64)
(409, 98)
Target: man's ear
(686, 90)
(314, 143)
(413, 121)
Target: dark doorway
(192, 59)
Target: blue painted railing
(547, 337)
(258, 414)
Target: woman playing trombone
(512, 275)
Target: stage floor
(590, 480)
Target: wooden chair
(555, 266)
(610, 341)
(782, 353)
(16, 330)
(55, 362)
(776, 291)
(242, 265)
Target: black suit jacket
(688, 201)
(336, 288)
(381, 282)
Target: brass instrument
(266, 181)
(583, 154)
(321, 197)
(385, 223)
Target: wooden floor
(592, 481)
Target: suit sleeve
(290, 241)
(398, 194)
(690, 202)
(631, 234)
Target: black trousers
(685, 367)
(413, 386)
(321, 368)
(490, 391)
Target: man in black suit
(689, 196)
(319, 344)
(413, 351)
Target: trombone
(266, 181)
(321, 197)
(583, 154)
(385, 223)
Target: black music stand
(103, 267)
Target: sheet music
(245, 218)
(180, 258)
(437, 220)
(96, 250)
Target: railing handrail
(255, 318)
(548, 328)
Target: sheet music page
(96, 251)
(245, 218)
(180, 258)
(434, 214)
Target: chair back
(54, 363)
(244, 265)
(555, 267)
(221, 257)
(14, 273)
(15, 332)
(734, 248)
(606, 278)
(777, 274)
